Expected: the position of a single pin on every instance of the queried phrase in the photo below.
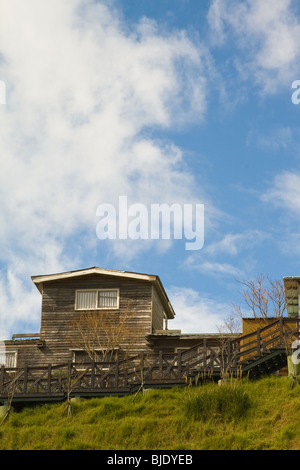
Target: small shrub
(225, 403)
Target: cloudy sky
(161, 102)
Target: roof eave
(40, 280)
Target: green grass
(241, 415)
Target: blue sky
(170, 101)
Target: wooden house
(99, 314)
(92, 312)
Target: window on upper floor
(97, 299)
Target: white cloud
(216, 258)
(266, 35)
(195, 312)
(280, 138)
(81, 92)
(215, 268)
(284, 192)
(234, 243)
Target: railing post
(160, 364)
(179, 363)
(228, 352)
(258, 342)
(237, 353)
(126, 378)
(281, 330)
(117, 373)
(142, 367)
(25, 378)
(49, 378)
(204, 354)
(69, 376)
(93, 375)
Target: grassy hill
(262, 414)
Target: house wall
(60, 336)
(58, 314)
(171, 342)
(250, 325)
(157, 312)
(26, 352)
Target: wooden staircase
(265, 350)
(268, 363)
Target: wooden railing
(278, 335)
(122, 377)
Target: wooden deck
(261, 352)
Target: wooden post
(142, 360)
(258, 342)
(179, 363)
(69, 383)
(237, 352)
(93, 375)
(117, 373)
(49, 378)
(281, 331)
(228, 352)
(25, 378)
(126, 377)
(142, 371)
(204, 353)
(160, 364)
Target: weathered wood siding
(157, 312)
(27, 352)
(58, 313)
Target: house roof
(39, 281)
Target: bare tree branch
(263, 298)
(101, 334)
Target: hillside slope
(262, 414)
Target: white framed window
(97, 299)
(8, 359)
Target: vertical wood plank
(258, 342)
(49, 378)
(117, 373)
(179, 364)
(25, 378)
(93, 374)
